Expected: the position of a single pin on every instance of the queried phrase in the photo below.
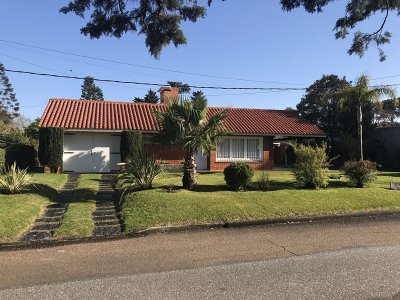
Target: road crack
(283, 247)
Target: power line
(270, 89)
(87, 63)
(386, 77)
(146, 67)
(158, 84)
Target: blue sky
(254, 41)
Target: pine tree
(184, 88)
(151, 97)
(9, 105)
(90, 91)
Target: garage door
(91, 152)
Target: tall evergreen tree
(90, 91)
(320, 104)
(32, 130)
(150, 97)
(184, 88)
(9, 105)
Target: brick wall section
(266, 164)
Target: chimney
(168, 94)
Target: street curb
(199, 227)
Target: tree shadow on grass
(394, 174)
(274, 186)
(79, 195)
(338, 184)
(43, 190)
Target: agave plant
(139, 173)
(13, 180)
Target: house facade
(92, 133)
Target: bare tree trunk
(189, 179)
(360, 131)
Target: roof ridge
(105, 101)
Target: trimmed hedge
(131, 145)
(2, 158)
(51, 142)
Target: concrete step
(37, 236)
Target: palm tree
(185, 124)
(360, 94)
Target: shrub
(2, 158)
(51, 140)
(311, 166)
(264, 183)
(14, 180)
(23, 155)
(131, 144)
(360, 173)
(139, 173)
(290, 156)
(238, 176)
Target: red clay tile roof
(108, 115)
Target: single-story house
(92, 133)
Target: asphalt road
(357, 259)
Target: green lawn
(18, 212)
(77, 220)
(213, 202)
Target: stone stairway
(54, 213)
(105, 216)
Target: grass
(77, 220)
(18, 212)
(213, 202)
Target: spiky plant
(139, 173)
(185, 124)
(14, 180)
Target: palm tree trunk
(189, 179)
(360, 132)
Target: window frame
(245, 159)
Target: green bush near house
(360, 173)
(2, 158)
(131, 144)
(311, 166)
(238, 176)
(51, 140)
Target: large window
(240, 149)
